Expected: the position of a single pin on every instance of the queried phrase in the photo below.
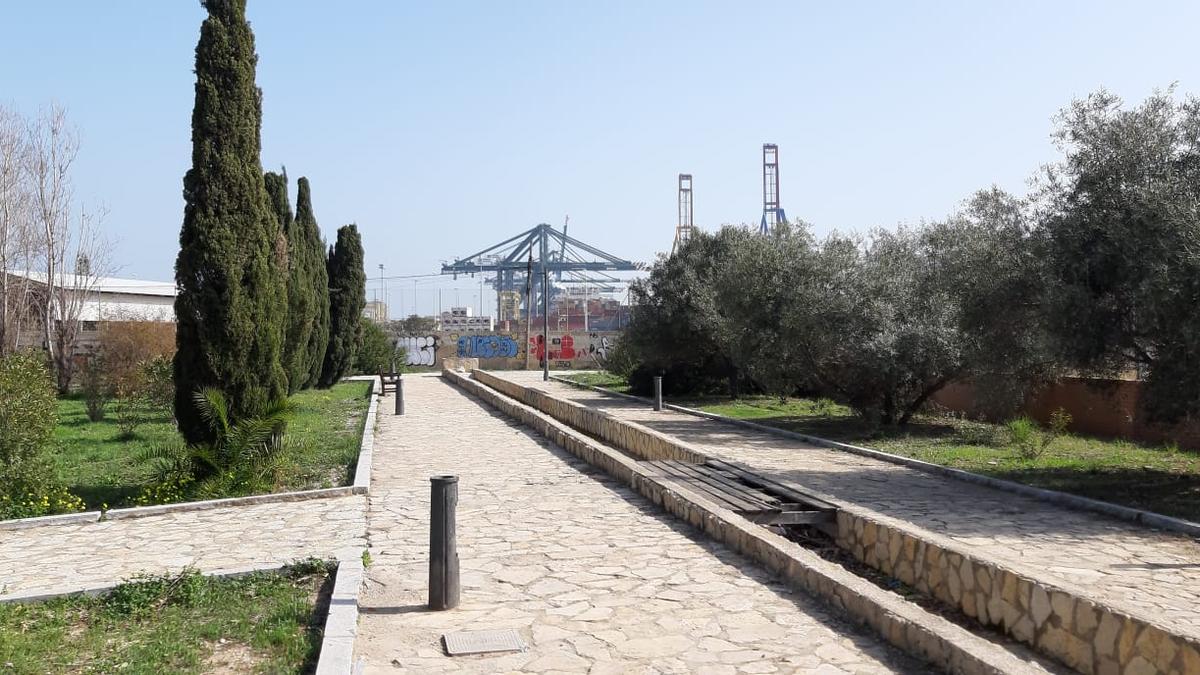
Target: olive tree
(1122, 238)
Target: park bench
(754, 497)
(387, 379)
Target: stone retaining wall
(635, 439)
(1088, 636)
(1083, 634)
(947, 645)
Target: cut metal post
(443, 549)
(399, 396)
(658, 392)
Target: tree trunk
(920, 401)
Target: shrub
(374, 352)
(142, 594)
(1060, 419)
(28, 409)
(28, 414)
(158, 385)
(1025, 435)
(245, 456)
(128, 409)
(127, 346)
(96, 389)
(1031, 441)
(31, 497)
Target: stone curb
(341, 624)
(341, 621)
(903, 624)
(366, 451)
(100, 589)
(361, 486)
(1148, 518)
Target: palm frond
(214, 409)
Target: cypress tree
(309, 236)
(299, 319)
(277, 198)
(347, 297)
(229, 307)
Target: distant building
(460, 320)
(102, 299)
(376, 311)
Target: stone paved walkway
(594, 577)
(1147, 573)
(68, 558)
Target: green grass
(267, 622)
(93, 461)
(1155, 478)
(600, 378)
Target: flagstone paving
(594, 578)
(1148, 573)
(69, 558)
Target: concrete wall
(1107, 408)
(511, 351)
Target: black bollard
(658, 392)
(443, 548)
(399, 395)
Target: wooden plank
(672, 470)
(773, 485)
(744, 494)
(792, 517)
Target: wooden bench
(388, 379)
(754, 497)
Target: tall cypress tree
(299, 319)
(347, 297)
(230, 287)
(309, 237)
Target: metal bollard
(443, 548)
(399, 395)
(658, 392)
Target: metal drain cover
(482, 642)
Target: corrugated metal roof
(108, 284)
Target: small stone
(742, 656)
(543, 633)
(1064, 609)
(1023, 630)
(562, 661)
(654, 647)
(955, 584)
(1108, 667)
(1008, 591)
(1129, 633)
(1085, 618)
(966, 573)
(1140, 666)
(1040, 606)
(1106, 635)
(968, 605)
(594, 614)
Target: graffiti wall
(512, 351)
(419, 351)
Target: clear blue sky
(441, 128)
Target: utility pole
(382, 316)
(545, 314)
(528, 308)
